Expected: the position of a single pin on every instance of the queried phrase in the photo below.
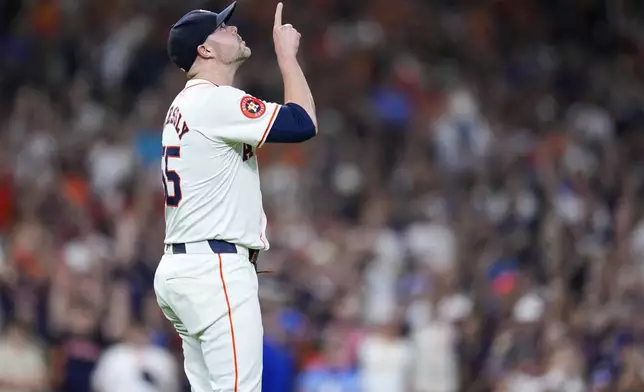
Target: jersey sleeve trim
(268, 126)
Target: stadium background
(468, 219)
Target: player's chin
(244, 53)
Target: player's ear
(205, 51)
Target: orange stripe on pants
(230, 320)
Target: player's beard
(243, 54)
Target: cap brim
(225, 15)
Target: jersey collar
(193, 82)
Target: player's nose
(233, 29)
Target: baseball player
(206, 283)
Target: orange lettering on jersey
(184, 130)
(167, 117)
(248, 152)
(175, 118)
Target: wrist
(287, 62)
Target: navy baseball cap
(191, 31)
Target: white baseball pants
(212, 301)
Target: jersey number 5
(171, 176)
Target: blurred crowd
(470, 217)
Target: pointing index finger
(278, 14)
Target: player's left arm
(292, 125)
(234, 115)
(296, 121)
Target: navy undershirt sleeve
(292, 125)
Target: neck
(221, 76)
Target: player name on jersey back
(210, 171)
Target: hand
(285, 37)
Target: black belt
(219, 246)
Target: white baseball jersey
(210, 172)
